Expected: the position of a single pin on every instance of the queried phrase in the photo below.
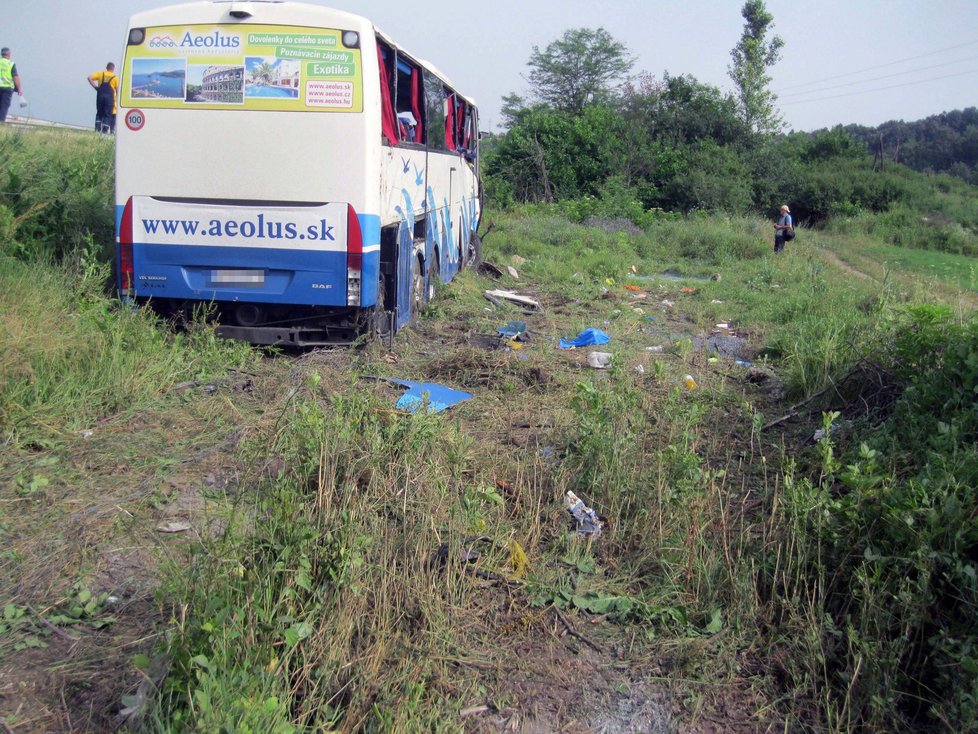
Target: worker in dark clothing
(106, 86)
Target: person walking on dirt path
(106, 86)
(783, 225)
(9, 83)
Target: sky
(844, 61)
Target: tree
(582, 67)
(751, 58)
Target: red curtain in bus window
(450, 122)
(416, 104)
(460, 123)
(387, 121)
(467, 130)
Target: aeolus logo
(162, 41)
(209, 40)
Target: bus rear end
(242, 164)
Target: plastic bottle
(689, 382)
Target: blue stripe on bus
(184, 271)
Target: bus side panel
(451, 196)
(402, 194)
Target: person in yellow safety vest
(106, 86)
(9, 82)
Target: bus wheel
(433, 277)
(475, 249)
(417, 291)
(381, 320)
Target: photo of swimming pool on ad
(267, 76)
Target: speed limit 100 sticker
(135, 119)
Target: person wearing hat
(9, 82)
(783, 225)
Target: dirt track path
(844, 266)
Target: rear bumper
(295, 336)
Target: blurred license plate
(251, 278)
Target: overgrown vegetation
(355, 568)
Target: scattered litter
(687, 290)
(512, 330)
(820, 434)
(650, 318)
(640, 369)
(673, 274)
(472, 711)
(743, 362)
(587, 338)
(488, 308)
(654, 348)
(587, 521)
(775, 286)
(512, 271)
(512, 297)
(716, 301)
(514, 345)
(87, 433)
(712, 360)
(633, 288)
(547, 452)
(606, 322)
(518, 559)
(599, 360)
(638, 310)
(689, 382)
(173, 526)
(723, 325)
(487, 268)
(634, 269)
(427, 394)
(667, 303)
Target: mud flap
(404, 274)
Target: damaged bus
(293, 168)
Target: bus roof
(276, 11)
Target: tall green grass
(56, 193)
(73, 355)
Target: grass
(349, 567)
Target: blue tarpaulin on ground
(512, 330)
(587, 338)
(438, 397)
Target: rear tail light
(126, 272)
(354, 257)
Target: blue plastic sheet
(420, 394)
(512, 330)
(587, 338)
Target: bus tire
(381, 319)
(433, 277)
(417, 290)
(475, 249)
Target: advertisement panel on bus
(254, 67)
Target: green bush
(894, 545)
(59, 188)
